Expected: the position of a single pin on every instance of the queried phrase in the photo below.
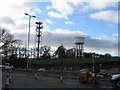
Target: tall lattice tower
(39, 33)
(79, 50)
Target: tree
(61, 52)
(107, 55)
(70, 53)
(12, 50)
(2, 31)
(6, 40)
(45, 50)
(10, 46)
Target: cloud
(48, 21)
(7, 20)
(54, 39)
(65, 37)
(69, 22)
(101, 44)
(63, 8)
(60, 37)
(104, 37)
(76, 2)
(67, 7)
(12, 17)
(97, 5)
(56, 15)
(109, 15)
(110, 25)
(116, 34)
(101, 4)
(37, 10)
(18, 25)
(12, 11)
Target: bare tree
(6, 40)
(61, 52)
(45, 51)
(11, 48)
(70, 53)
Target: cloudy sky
(96, 20)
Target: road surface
(23, 80)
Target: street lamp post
(93, 68)
(29, 35)
(93, 57)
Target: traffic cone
(10, 80)
(35, 77)
(61, 80)
(7, 76)
(7, 83)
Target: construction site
(62, 72)
(65, 68)
(65, 48)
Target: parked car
(116, 80)
(41, 69)
(7, 66)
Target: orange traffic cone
(35, 77)
(61, 80)
(7, 83)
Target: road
(22, 80)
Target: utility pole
(38, 28)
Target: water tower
(79, 50)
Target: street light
(93, 71)
(93, 57)
(29, 34)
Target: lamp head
(26, 14)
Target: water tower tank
(79, 40)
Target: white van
(7, 66)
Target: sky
(63, 20)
